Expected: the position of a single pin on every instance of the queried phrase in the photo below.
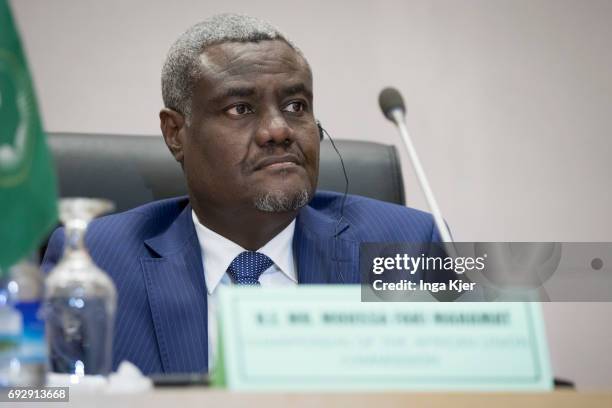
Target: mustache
(275, 155)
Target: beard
(282, 201)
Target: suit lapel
(177, 295)
(325, 253)
(176, 287)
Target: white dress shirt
(218, 253)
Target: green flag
(28, 190)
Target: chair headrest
(133, 170)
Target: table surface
(202, 397)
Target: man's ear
(173, 127)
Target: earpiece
(321, 131)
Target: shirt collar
(218, 252)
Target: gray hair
(182, 67)
(279, 201)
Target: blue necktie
(247, 267)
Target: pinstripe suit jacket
(153, 256)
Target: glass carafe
(80, 299)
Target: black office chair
(133, 170)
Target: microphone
(392, 105)
(390, 100)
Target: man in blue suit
(238, 117)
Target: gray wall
(509, 104)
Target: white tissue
(127, 380)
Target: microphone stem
(398, 118)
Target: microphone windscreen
(389, 100)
